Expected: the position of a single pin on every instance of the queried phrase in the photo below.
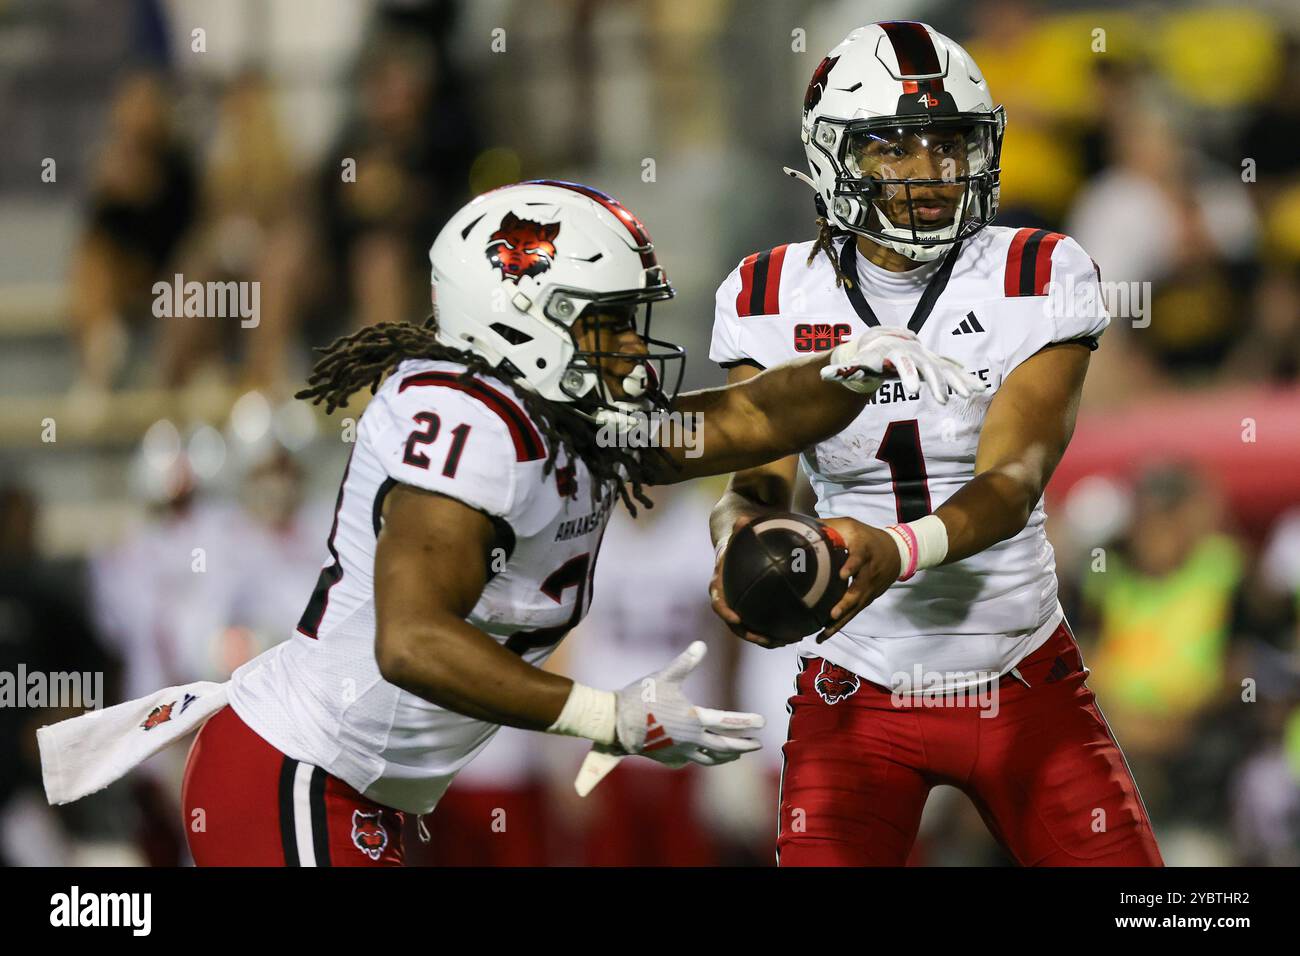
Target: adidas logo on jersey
(968, 324)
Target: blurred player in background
(959, 590)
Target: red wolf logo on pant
(836, 683)
(368, 833)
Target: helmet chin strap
(899, 237)
(914, 251)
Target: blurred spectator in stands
(1269, 140)
(1266, 788)
(1163, 604)
(251, 229)
(1030, 72)
(1268, 350)
(1160, 215)
(142, 203)
(399, 170)
(1279, 573)
(43, 629)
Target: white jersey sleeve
(473, 445)
(1077, 304)
(758, 305)
(725, 348)
(1073, 308)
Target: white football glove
(654, 719)
(863, 363)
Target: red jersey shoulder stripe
(528, 442)
(1029, 262)
(760, 283)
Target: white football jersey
(1000, 297)
(319, 697)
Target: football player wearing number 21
(948, 660)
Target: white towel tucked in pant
(84, 754)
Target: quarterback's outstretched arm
(1025, 433)
(787, 408)
(766, 417)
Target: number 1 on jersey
(901, 450)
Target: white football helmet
(885, 80)
(514, 270)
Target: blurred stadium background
(164, 503)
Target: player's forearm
(993, 506)
(777, 413)
(453, 664)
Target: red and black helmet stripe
(760, 283)
(916, 55)
(912, 47)
(640, 236)
(1029, 262)
(527, 440)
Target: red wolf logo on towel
(159, 715)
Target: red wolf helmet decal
(368, 833)
(522, 247)
(159, 715)
(836, 683)
(817, 85)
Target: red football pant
(247, 804)
(1045, 773)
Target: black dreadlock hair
(825, 242)
(364, 358)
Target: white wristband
(921, 544)
(588, 713)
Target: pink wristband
(909, 539)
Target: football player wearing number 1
(467, 527)
(956, 595)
